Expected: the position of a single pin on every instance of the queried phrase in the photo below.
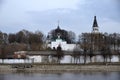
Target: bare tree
(3, 54)
(77, 54)
(59, 54)
(72, 36)
(91, 54)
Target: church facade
(59, 37)
(63, 44)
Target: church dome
(59, 33)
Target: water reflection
(2, 77)
(62, 76)
(118, 75)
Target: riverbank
(60, 68)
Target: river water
(62, 76)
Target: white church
(64, 45)
(58, 41)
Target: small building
(20, 55)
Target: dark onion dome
(58, 29)
(63, 34)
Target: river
(62, 76)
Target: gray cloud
(1, 2)
(78, 19)
(118, 5)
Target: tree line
(25, 40)
(21, 41)
(90, 44)
(93, 44)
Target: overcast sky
(74, 15)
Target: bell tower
(95, 26)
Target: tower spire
(58, 27)
(95, 25)
(95, 22)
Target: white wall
(16, 61)
(37, 59)
(63, 44)
(66, 59)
